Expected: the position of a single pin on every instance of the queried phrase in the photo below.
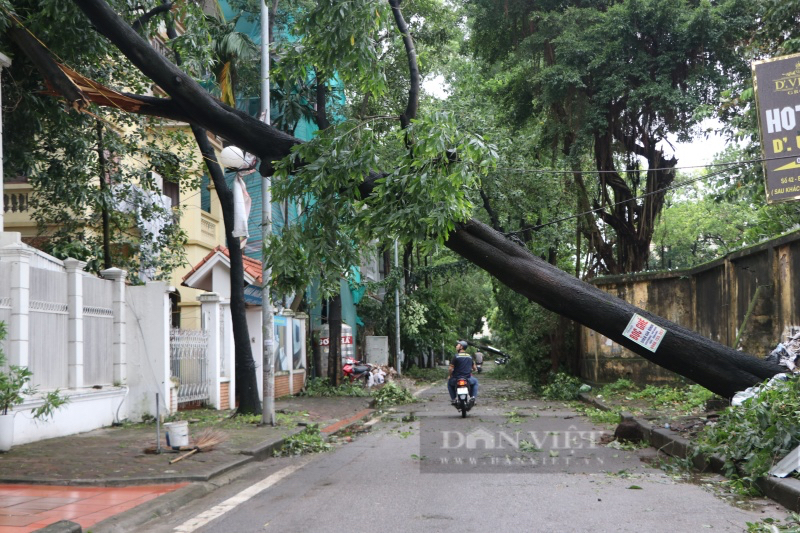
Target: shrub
(619, 386)
(562, 387)
(684, 398)
(392, 394)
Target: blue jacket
(462, 366)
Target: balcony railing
(16, 202)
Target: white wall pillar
(19, 256)
(227, 351)
(75, 321)
(5, 62)
(210, 311)
(118, 304)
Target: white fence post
(210, 312)
(19, 323)
(117, 276)
(74, 269)
(302, 320)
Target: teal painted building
(285, 212)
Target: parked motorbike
(464, 401)
(503, 359)
(354, 370)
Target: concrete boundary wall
(102, 344)
(712, 299)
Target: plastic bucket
(177, 433)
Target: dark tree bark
(322, 102)
(710, 364)
(246, 381)
(335, 339)
(334, 304)
(49, 69)
(412, 106)
(719, 368)
(139, 23)
(101, 159)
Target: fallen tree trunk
(719, 368)
(708, 363)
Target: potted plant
(14, 388)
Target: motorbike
(354, 370)
(464, 401)
(479, 367)
(503, 359)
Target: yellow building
(204, 229)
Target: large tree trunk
(246, 380)
(245, 368)
(720, 369)
(717, 367)
(335, 339)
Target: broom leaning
(205, 442)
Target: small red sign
(326, 341)
(643, 332)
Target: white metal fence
(48, 327)
(60, 320)
(188, 363)
(98, 329)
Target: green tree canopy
(605, 83)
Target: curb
(341, 425)
(62, 526)
(132, 481)
(265, 449)
(200, 486)
(785, 491)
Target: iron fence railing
(188, 354)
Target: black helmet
(463, 344)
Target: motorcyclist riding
(462, 366)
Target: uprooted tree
(379, 201)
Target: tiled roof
(252, 267)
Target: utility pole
(267, 329)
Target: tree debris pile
(755, 435)
(785, 354)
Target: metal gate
(188, 363)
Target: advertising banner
(777, 86)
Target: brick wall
(281, 385)
(225, 395)
(713, 300)
(299, 382)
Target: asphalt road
(513, 465)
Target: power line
(710, 165)
(634, 198)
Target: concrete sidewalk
(785, 491)
(84, 479)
